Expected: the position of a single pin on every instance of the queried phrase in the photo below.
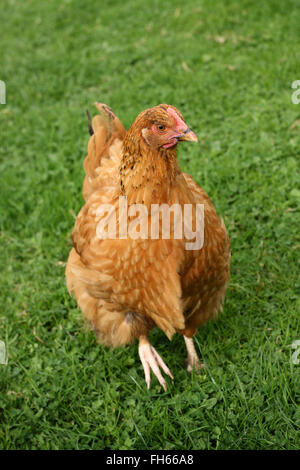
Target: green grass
(228, 66)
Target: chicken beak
(188, 136)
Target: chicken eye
(161, 127)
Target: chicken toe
(151, 360)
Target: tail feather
(106, 129)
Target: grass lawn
(228, 66)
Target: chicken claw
(192, 361)
(152, 360)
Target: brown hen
(127, 285)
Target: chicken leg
(152, 360)
(192, 361)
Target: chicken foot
(151, 360)
(192, 361)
